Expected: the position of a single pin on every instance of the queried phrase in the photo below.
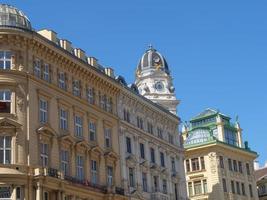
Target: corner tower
(154, 81)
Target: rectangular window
(110, 176)
(126, 115)
(131, 177)
(230, 137)
(92, 131)
(205, 187)
(243, 189)
(187, 164)
(76, 88)
(43, 109)
(103, 101)
(65, 162)
(18, 193)
(202, 163)
(164, 186)
(230, 164)
(162, 159)
(91, 95)
(195, 164)
(5, 101)
(152, 155)
(109, 105)
(142, 150)
(240, 167)
(108, 143)
(144, 181)
(235, 165)
(79, 167)
(224, 185)
(94, 172)
(5, 59)
(156, 183)
(128, 145)
(140, 122)
(62, 81)
(149, 128)
(173, 165)
(221, 162)
(5, 149)
(46, 196)
(171, 140)
(197, 187)
(46, 72)
(233, 187)
(44, 154)
(190, 189)
(160, 135)
(78, 126)
(250, 190)
(37, 68)
(63, 121)
(248, 169)
(237, 188)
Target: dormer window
(5, 59)
(5, 101)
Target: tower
(154, 81)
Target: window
(237, 188)
(109, 176)
(144, 181)
(202, 162)
(233, 187)
(108, 138)
(243, 189)
(126, 115)
(128, 145)
(221, 162)
(235, 165)
(195, 164)
(37, 68)
(131, 177)
(44, 154)
(187, 164)
(46, 196)
(5, 149)
(152, 155)
(248, 170)
(92, 131)
(43, 109)
(171, 140)
(65, 162)
(190, 189)
(46, 72)
(160, 133)
(76, 88)
(240, 167)
(173, 165)
(5, 59)
(142, 150)
(230, 164)
(156, 183)
(79, 167)
(62, 80)
(140, 122)
(94, 171)
(250, 190)
(109, 105)
(103, 101)
(5, 101)
(18, 193)
(230, 137)
(164, 186)
(149, 128)
(78, 126)
(63, 122)
(205, 187)
(197, 187)
(162, 159)
(91, 95)
(224, 185)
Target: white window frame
(5, 97)
(92, 131)
(43, 111)
(46, 72)
(37, 68)
(94, 172)
(76, 88)
(44, 154)
(63, 119)
(90, 95)
(78, 122)
(108, 142)
(109, 175)
(4, 150)
(80, 167)
(64, 155)
(62, 80)
(6, 60)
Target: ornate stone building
(261, 177)
(218, 165)
(66, 123)
(151, 152)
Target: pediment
(9, 123)
(136, 194)
(82, 144)
(112, 155)
(96, 149)
(67, 139)
(46, 130)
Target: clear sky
(216, 50)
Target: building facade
(62, 130)
(218, 165)
(151, 152)
(261, 177)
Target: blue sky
(216, 50)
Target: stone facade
(261, 177)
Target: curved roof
(13, 17)
(198, 136)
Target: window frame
(6, 60)
(4, 150)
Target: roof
(208, 113)
(260, 173)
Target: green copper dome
(13, 17)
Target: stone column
(59, 196)
(39, 191)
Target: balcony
(159, 196)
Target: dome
(12, 17)
(152, 59)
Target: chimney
(92, 61)
(49, 34)
(109, 71)
(79, 53)
(65, 44)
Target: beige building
(218, 165)
(61, 124)
(261, 177)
